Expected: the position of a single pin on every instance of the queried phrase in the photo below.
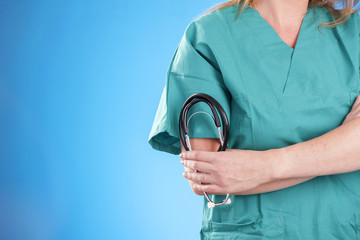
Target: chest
(281, 96)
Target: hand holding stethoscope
(223, 134)
(228, 171)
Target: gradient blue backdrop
(80, 82)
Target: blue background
(80, 82)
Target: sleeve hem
(163, 141)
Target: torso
(281, 96)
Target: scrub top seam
(314, 51)
(195, 77)
(301, 94)
(252, 125)
(171, 129)
(288, 72)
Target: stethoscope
(223, 135)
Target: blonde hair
(340, 15)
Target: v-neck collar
(263, 24)
(269, 37)
(295, 61)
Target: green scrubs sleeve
(193, 69)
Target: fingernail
(182, 162)
(181, 155)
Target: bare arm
(337, 151)
(211, 144)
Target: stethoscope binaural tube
(223, 134)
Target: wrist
(278, 163)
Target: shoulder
(216, 17)
(355, 18)
(211, 24)
(350, 26)
(352, 22)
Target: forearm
(274, 185)
(212, 145)
(337, 151)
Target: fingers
(204, 179)
(203, 156)
(210, 189)
(195, 190)
(357, 99)
(198, 165)
(203, 182)
(356, 104)
(199, 177)
(354, 112)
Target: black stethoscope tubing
(223, 134)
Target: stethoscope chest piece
(223, 134)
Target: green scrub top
(275, 96)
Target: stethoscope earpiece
(223, 134)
